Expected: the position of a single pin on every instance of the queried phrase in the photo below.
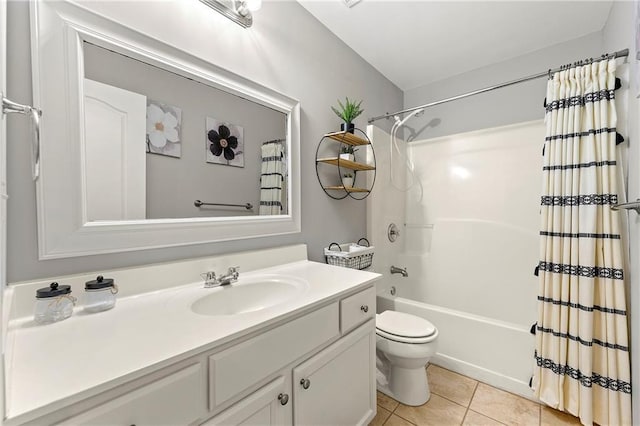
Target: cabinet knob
(283, 398)
(364, 308)
(305, 383)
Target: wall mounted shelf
(351, 165)
(347, 138)
(348, 189)
(330, 166)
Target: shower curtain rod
(619, 54)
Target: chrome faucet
(396, 270)
(211, 280)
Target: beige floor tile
(476, 419)
(397, 421)
(381, 416)
(438, 411)
(551, 417)
(387, 402)
(504, 406)
(453, 386)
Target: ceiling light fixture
(239, 11)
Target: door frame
(3, 197)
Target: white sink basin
(249, 295)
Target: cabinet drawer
(356, 309)
(176, 399)
(242, 366)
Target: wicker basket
(350, 255)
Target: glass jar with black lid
(53, 303)
(100, 294)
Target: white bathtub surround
(385, 205)
(582, 345)
(470, 251)
(154, 327)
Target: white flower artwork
(163, 129)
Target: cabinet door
(337, 386)
(270, 405)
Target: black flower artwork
(222, 141)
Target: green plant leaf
(348, 111)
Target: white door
(270, 405)
(114, 152)
(337, 386)
(3, 191)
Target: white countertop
(58, 364)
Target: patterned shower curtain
(582, 348)
(272, 177)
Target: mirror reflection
(159, 145)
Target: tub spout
(396, 270)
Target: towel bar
(199, 203)
(634, 205)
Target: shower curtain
(272, 177)
(582, 349)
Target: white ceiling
(414, 43)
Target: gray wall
(286, 49)
(513, 104)
(173, 184)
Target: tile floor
(459, 400)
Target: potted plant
(347, 180)
(348, 112)
(347, 152)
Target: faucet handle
(208, 276)
(234, 270)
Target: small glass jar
(53, 303)
(100, 294)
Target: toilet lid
(404, 325)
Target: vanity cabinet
(335, 386)
(314, 369)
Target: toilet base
(407, 385)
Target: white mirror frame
(58, 31)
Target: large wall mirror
(144, 146)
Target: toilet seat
(404, 328)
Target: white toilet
(404, 344)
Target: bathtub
(494, 352)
